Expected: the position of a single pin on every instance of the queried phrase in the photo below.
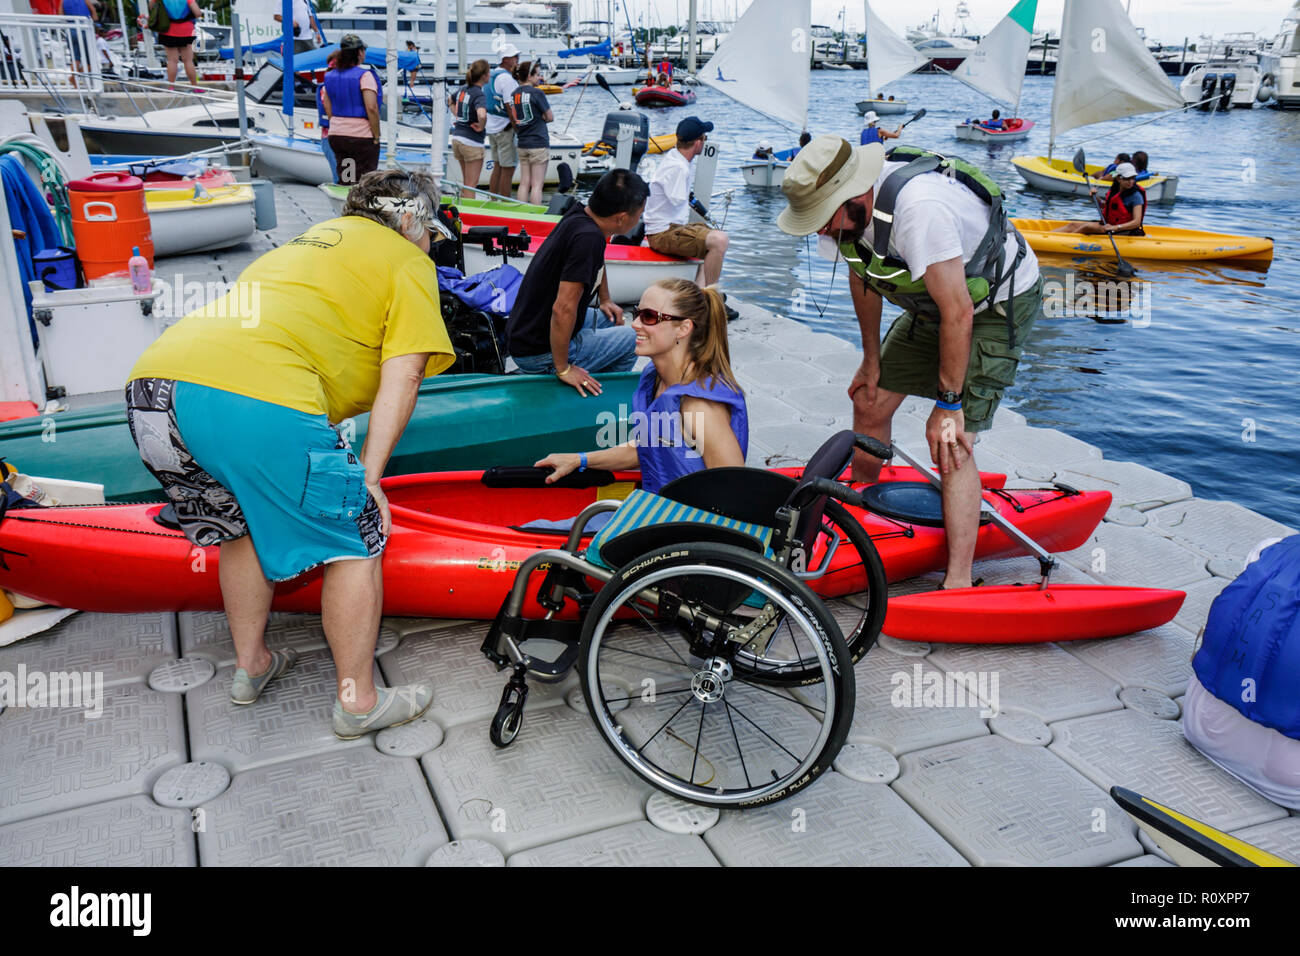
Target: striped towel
(643, 508)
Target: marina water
(1203, 383)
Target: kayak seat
(632, 238)
(560, 204)
(912, 502)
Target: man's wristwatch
(949, 401)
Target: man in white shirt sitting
(668, 227)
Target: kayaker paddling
(1122, 210)
(688, 412)
(872, 133)
(235, 411)
(929, 234)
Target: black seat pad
(915, 502)
(752, 495)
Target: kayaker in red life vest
(688, 413)
(237, 411)
(1123, 210)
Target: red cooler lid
(109, 181)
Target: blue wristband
(582, 461)
(947, 406)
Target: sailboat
(889, 58)
(765, 64)
(1105, 72)
(997, 69)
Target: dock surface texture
(172, 773)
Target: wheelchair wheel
(669, 625)
(863, 576)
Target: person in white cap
(500, 88)
(930, 234)
(1122, 211)
(872, 133)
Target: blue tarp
(600, 49)
(28, 212)
(318, 59)
(228, 52)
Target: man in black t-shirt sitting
(550, 330)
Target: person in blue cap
(668, 227)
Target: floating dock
(173, 774)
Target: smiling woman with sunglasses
(688, 413)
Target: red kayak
(663, 96)
(454, 547)
(1027, 614)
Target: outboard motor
(1209, 82)
(1226, 85)
(640, 124)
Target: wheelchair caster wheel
(509, 718)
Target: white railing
(43, 52)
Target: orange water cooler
(109, 218)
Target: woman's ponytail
(710, 356)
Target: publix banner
(257, 21)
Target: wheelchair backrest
(829, 461)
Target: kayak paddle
(604, 85)
(915, 116)
(1124, 270)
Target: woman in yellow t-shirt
(235, 410)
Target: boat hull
(460, 421)
(882, 107)
(764, 175)
(974, 133)
(454, 546)
(184, 225)
(1058, 176)
(106, 138)
(1160, 243)
(655, 96)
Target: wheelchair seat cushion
(914, 502)
(643, 510)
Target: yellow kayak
(658, 144)
(1160, 242)
(550, 89)
(1058, 176)
(1188, 841)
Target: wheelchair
(708, 663)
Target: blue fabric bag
(29, 213)
(1250, 655)
(493, 291)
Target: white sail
(997, 66)
(764, 62)
(1105, 70)
(889, 56)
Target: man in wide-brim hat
(927, 245)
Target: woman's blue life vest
(1115, 211)
(871, 135)
(344, 89)
(178, 10)
(1249, 656)
(496, 106)
(662, 450)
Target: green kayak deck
(461, 422)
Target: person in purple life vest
(352, 98)
(873, 133)
(688, 413)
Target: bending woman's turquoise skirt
(234, 465)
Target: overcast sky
(1166, 20)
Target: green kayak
(505, 207)
(461, 422)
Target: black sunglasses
(653, 317)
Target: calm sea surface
(1208, 390)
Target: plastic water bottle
(138, 267)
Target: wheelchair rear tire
(694, 725)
